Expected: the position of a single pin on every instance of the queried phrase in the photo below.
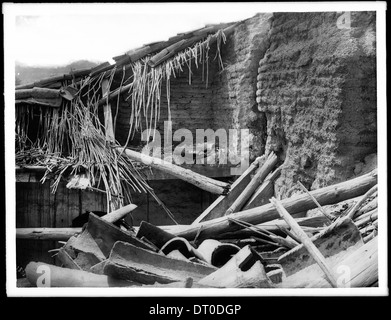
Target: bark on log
(254, 183)
(222, 203)
(64, 277)
(327, 195)
(200, 181)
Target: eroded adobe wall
(234, 88)
(317, 89)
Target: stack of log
(247, 238)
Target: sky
(47, 35)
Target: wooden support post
(110, 136)
(305, 240)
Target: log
(53, 103)
(222, 203)
(327, 195)
(243, 270)
(54, 234)
(358, 268)
(205, 183)
(129, 262)
(64, 277)
(264, 192)
(370, 218)
(340, 236)
(306, 241)
(38, 93)
(254, 183)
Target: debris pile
(247, 238)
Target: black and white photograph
(195, 149)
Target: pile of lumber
(247, 238)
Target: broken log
(264, 192)
(222, 203)
(340, 236)
(306, 241)
(254, 183)
(55, 234)
(200, 181)
(327, 195)
(243, 270)
(357, 268)
(64, 277)
(129, 262)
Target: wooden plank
(109, 130)
(129, 262)
(296, 204)
(222, 203)
(306, 241)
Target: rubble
(242, 246)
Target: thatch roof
(74, 138)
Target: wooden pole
(55, 234)
(110, 135)
(306, 241)
(205, 183)
(254, 183)
(299, 203)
